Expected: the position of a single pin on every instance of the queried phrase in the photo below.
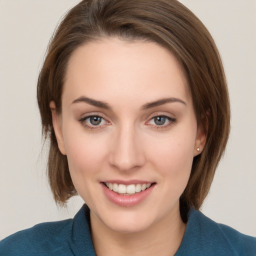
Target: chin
(129, 227)
(128, 221)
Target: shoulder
(240, 243)
(66, 238)
(39, 240)
(206, 237)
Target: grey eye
(95, 120)
(160, 120)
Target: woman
(133, 97)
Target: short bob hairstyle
(169, 24)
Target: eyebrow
(92, 102)
(104, 105)
(162, 102)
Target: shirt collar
(81, 242)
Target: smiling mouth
(127, 190)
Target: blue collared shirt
(72, 237)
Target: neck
(164, 238)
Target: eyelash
(170, 120)
(84, 121)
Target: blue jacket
(72, 237)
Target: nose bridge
(127, 152)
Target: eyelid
(93, 114)
(83, 117)
(172, 120)
(156, 114)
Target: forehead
(137, 70)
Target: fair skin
(112, 134)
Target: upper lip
(128, 182)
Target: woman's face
(129, 131)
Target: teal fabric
(203, 237)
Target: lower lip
(127, 200)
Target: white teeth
(115, 187)
(144, 186)
(129, 189)
(138, 188)
(121, 189)
(110, 185)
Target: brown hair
(168, 23)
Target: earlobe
(56, 122)
(200, 140)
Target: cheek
(86, 155)
(173, 156)
(173, 160)
(86, 159)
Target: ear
(200, 140)
(56, 122)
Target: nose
(126, 150)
